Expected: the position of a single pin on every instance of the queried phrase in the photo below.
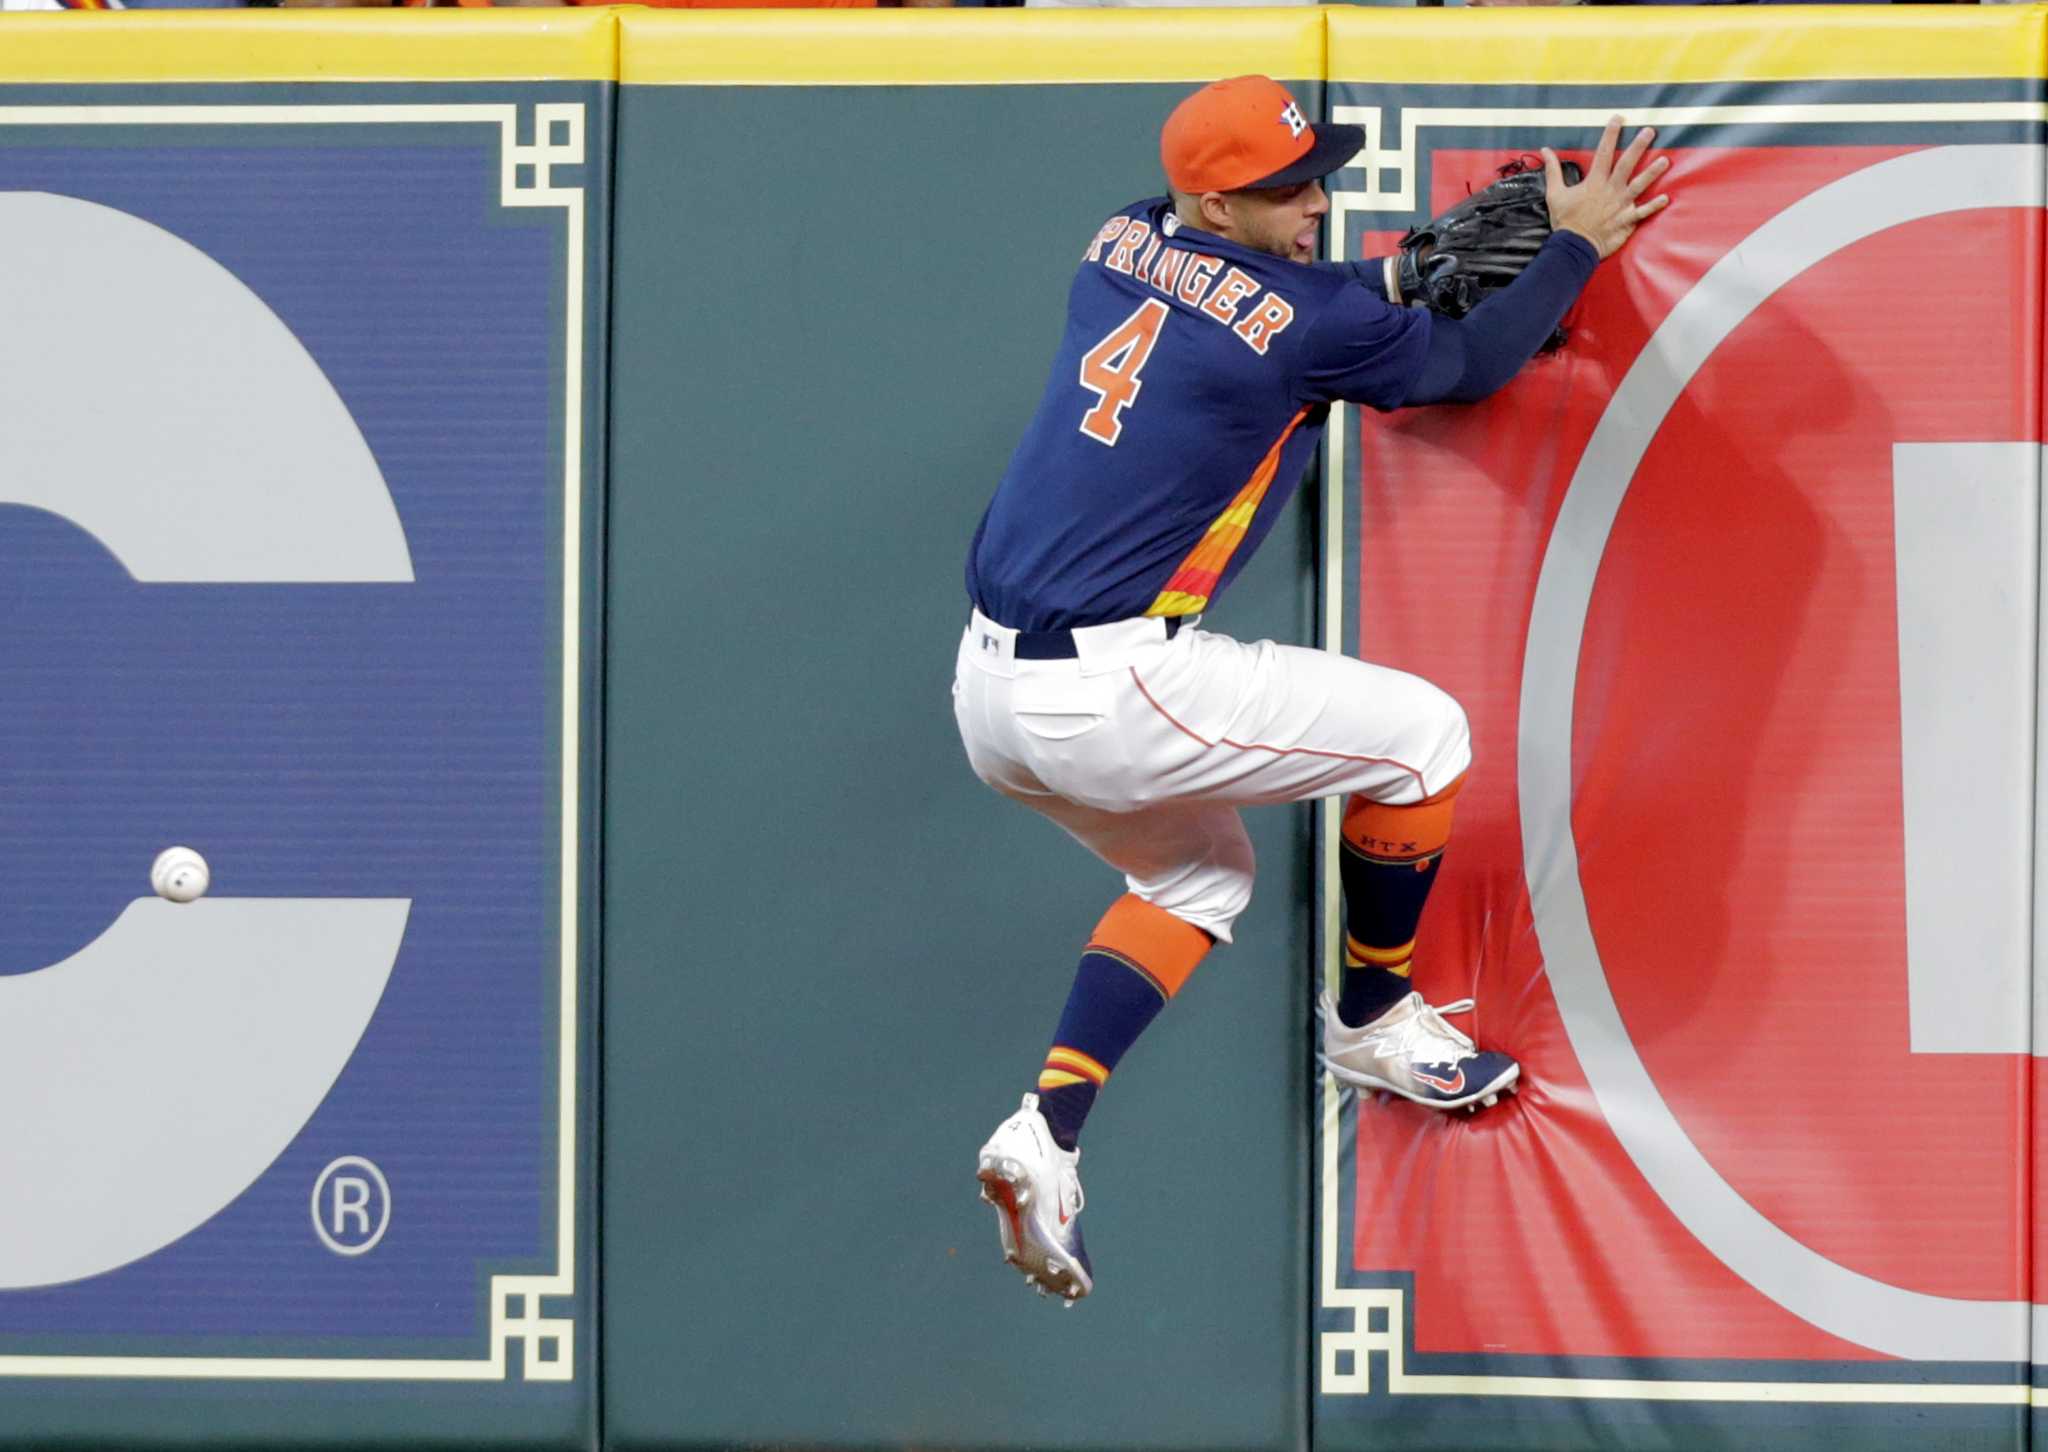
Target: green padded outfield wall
(832, 956)
(301, 345)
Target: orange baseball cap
(1248, 132)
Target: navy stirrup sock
(1136, 960)
(1388, 865)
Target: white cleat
(1036, 1189)
(1409, 1050)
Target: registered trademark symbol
(351, 1206)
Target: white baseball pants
(1143, 747)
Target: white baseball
(180, 874)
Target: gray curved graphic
(153, 1075)
(150, 398)
(1855, 1307)
(153, 400)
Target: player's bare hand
(1607, 205)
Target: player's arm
(1464, 360)
(1371, 273)
(1473, 357)
(1365, 350)
(1382, 274)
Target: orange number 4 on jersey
(1110, 370)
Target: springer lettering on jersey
(1196, 278)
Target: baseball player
(1203, 348)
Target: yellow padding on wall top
(963, 47)
(327, 45)
(1624, 45)
(1677, 45)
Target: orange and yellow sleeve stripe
(1188, 588)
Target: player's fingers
(1603, 154)
(1634, 155)
(1553, 174)
(1652, 207)
(1640, 183)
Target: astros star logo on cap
(1249, 132)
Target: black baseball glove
(1453, 262)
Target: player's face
(1285, 221)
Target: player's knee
(1450, 744)
(1211, 894)
(1237, 896)
(1232, 874)
(1457, 737)
(1217, 912)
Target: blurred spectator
(778, 4)
(1684, 2)
(501, 4)
(1160, 4)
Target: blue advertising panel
(298, 487)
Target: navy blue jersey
(1189, 394)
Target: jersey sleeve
(1368, 272)
(1363, 349)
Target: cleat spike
(1491, 1099)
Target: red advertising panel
(1740, 592)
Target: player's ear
(1216, 213)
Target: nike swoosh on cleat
(1449, 1086)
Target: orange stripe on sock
(1166, 947)
(1059, 1079)
(1073, 1060)
(1401, 834)
(1394, 960)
